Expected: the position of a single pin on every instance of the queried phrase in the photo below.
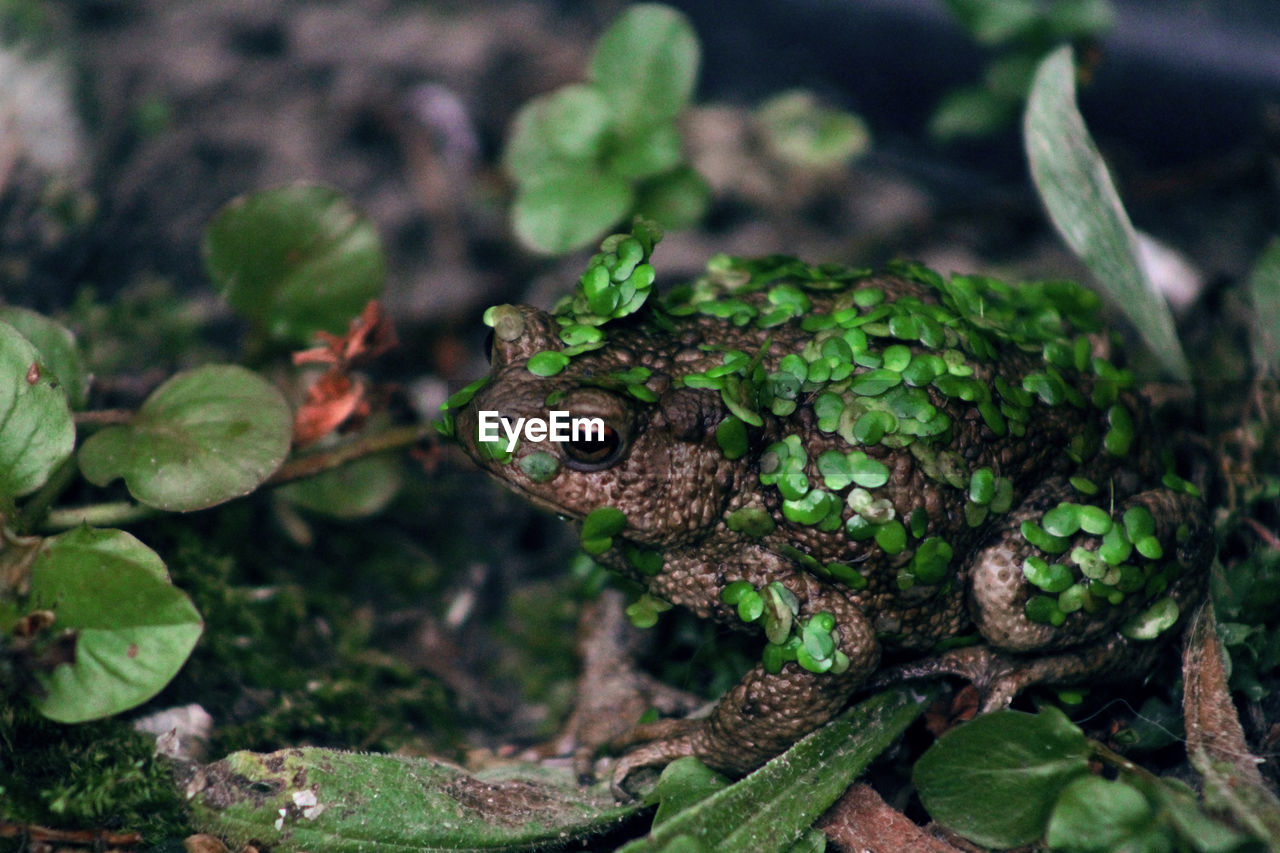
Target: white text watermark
(559, 426)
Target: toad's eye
(593, 450)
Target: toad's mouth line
(534, 498)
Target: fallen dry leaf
(336, 398)
(861, 820)
(1216, 744)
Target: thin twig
(113, 513)
(104, 417)
(335, 457)
(36, 508)
(107, 514)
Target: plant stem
(103, 417)
(335, 457)
(1118, 761)
(109, 514)
(113, 513)
(36, 509)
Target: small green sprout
(586, 155)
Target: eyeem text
(559, 426)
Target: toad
(847, 463)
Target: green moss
(93, 775)
(284, 664)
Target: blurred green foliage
(588, 155)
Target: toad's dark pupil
(595, 451)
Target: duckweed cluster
(865, 371)
(1125, 560)
(617, 282)
(811, 643)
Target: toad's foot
(999, 676)
(610, 691)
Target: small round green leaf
(810, 508)
(794, 485)
(892, 537)
(835, 470)
(929, 564)
(1153, 621)
(734, 592)
(649, 152)
(1084, 485)
(540, 466)
(1050, 577)
(751, 521)
(134, 628)
(873, 383)
(1138, 523)
(982, 486)
(869, 473)
(731, 435)
(203, 437)
(1062, 520)
(1120, 437)
(750, 606)
(1149, 547)
(870, 427)
(603, 522)
(1042, 539)
(1095, 520)
(547, 363)
(644, 560)
(294, 260)
(1116, 547)
(36, 432)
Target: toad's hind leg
(1087, 644)
(766, 712)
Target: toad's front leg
(767, 711)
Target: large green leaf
(57, 347)
(321, 799)
(1082, 201)
(646, 64)
(770, 809)
(36, 432)
(295, 260)
(134, 629)
(569, 211)
(558, 132)
(995, 779)
(203, 437)
(357, 490)
(677, 199)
